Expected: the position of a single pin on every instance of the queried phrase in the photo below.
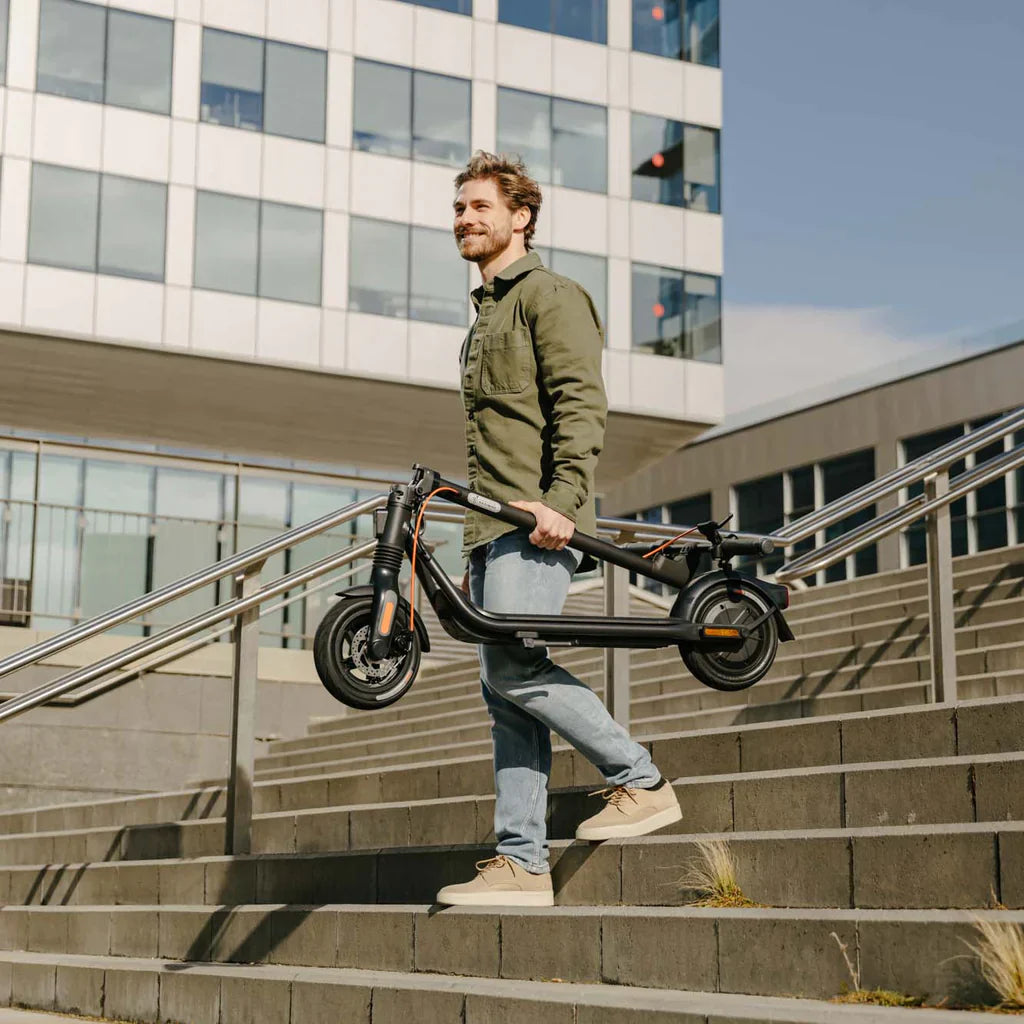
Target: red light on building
(658, 160)
(658, 310)
(658, 13)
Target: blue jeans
(528, 695)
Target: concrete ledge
(263, 995)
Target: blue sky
(873, 180)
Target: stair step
(150, 989)
(909, 866)
(779, 951)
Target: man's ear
(521, 218)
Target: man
(535, 413)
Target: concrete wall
(160, 732)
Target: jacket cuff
(562, 498)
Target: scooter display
(726, 623)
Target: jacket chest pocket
(506, 363)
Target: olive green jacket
(533, 396)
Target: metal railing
(243, 610)
(932, 470)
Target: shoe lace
(616, 796)
(492, 864)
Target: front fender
(773, 594)
(366, 590)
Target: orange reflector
(731, 634)
(385, 618)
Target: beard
(482, 246)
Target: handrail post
(940, 592)
(616, 659)
(245, 670)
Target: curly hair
(514, 183)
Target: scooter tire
(340, 657)
(732, 670)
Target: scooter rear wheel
(735, 669)
(343, 663)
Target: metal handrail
(913, 472)
(164, 658)
(915, 508)
(186, 585)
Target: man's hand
(553, 530)
(465, 583)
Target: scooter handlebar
(733, 546)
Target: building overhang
(98, 390)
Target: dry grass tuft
(713, 876)
(877, 997)
(1000, 952)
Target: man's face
(483, 221)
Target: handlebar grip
(732, 546)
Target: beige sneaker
(631, 812)
(500, 882)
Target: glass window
(680, 29)
(440, 128)
(291, 244)
(63, 216)
(589, 271)
(801, 496)
(759, 509)
(677, 314)
(703, 321)
(400, 112)
(674, 163)
(840, 477)
(4, 4)
(579, 145)
(916, 533)
(454, 6)
(383, 109)
(990, 522)
(690, 511)
(139, 55)
(71, 45)
(580, 19)
(534, 14)
(657, 27)
(560, 141)
(658, 310)
(227, 243)
(439, 279)
(232, 80)
(378, 267)
(133, 223)
(524, 127)
(700, 36)
(88, 52)
(296, 90)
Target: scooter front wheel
(342, 657)
(742, 667)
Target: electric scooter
(726, 623)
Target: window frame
(413, 72)
(95, 268)
(256, 294)
(105, 58)
(551, 100)
(263, 41)
(409, 228)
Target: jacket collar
(511, 273)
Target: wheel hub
(375, 670)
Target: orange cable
(685, 533)
(415, 542)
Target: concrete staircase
(855, 812)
